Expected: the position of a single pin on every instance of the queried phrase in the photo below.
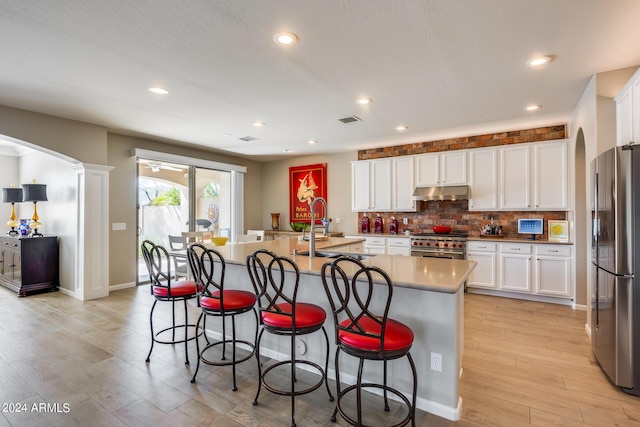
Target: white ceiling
(441, 67)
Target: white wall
(9, 168)
(275, 189)
(58, 215)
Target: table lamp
(12, 195)
(34, 193)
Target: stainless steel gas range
(431, 245)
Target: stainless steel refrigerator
(615, 304)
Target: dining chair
(217, 300)
(247, 238)
(259, 233)
(165, 289)
(180, 266)
(275, 280)
(193, 236)
(365, 332)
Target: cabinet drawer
(553, 250)
(515, 248)
(376, 241)
(399, 242)
(481, 246)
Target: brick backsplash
(548, 133)
(456, 215)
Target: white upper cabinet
(550, 176)
(515, 177)
(446, 168)
(534, 176)
(483, 179)
(371, 185)
(628, 112)
(402, 184)
(360, 186)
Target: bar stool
(364, 334)
(275, 280)
(208, 269)
(163, 288)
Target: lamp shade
(34, 192)
(12, 195)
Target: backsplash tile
(457, 215)
(547, 133)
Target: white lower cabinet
(380, 245)
(515, 267)
(375, 245)
(553, 270)
(398, 246)
(541, 270)
(484, 275)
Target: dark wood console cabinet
(29, 265)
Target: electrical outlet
(436, 362)
(337, 220)
(405, 221)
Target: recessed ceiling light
(288, 151)
(533, 107)
(158, 90)
(258, 124)
(227, 134)
(364, 101)
(401, 128)
(285, 38)
(312, 141)
(540, 60)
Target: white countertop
(516, 240)
(430, 274)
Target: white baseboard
(449, 413)
(122, 286)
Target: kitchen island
(428, 297)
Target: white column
(237, 202)
(92, 237)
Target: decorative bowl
(219, 241)
(441, 229)
(299, 226)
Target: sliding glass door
(173, 198)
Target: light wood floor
(524, 364)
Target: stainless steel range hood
(453, 192)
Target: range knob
(428, 244)
(446, 245)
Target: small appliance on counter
(393, 226)
(378, 224)
(364, 224)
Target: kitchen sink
(323, 254)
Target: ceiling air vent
(248, 138)
(350, 119)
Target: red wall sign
(305, 184)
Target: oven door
(437, 254)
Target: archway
(582, 222)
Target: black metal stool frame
(346, 292)
(156, 257)
(269, 282)
(208, 269)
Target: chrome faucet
(312, 232)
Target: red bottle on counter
(364, 224)
(378, 225)
(393, 226)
